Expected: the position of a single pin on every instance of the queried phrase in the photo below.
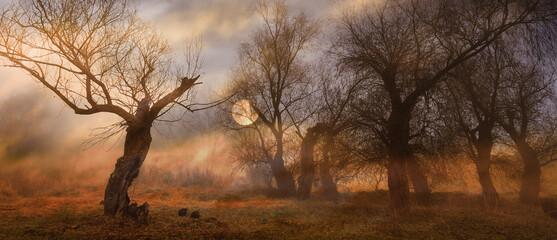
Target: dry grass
(251, 215)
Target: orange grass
(249, 214)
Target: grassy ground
(363, 215)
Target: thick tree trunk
(491, 198)
(419, 181)
(483, 145)
(328, 185)
(399, 192)
(399, 154)
(305, 181)
(530, 188)
(285, 182)
(138, 141)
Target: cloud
(39, 136)
(216, 20)
(40, 149)
(23, 129)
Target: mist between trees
(421, 96)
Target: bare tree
(407, 48)
(307, 147)
(520, 116)
(337, 89)
(511, 86)
(273, 75)
(472, 104)
(98, 57)
(547, 142)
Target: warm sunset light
(278, 119)
(243, 112)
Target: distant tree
(253, 147)
(307, 163)
(547, 143)
(24, 128)
(98, 57)
(472, 102)
(511, 85)
(273, 74)
(406, 48)
(524, 101)
(337, 90)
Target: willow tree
(471, 105)
(98, 57)
(332, 115)
(272, 74)
(512, 85)
(407, 48)
(521, 115)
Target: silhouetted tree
(407, 48)
(524, 99)
(272, 74)
(98, 57)
(473, 102)
(510, 84)
(307, 163)
(336, 91)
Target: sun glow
(243, 112)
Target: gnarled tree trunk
(328, 185)
(491, 198)
(530, 187)
(399, 192)
(399, 154)
(285, 182)
(137, 143)
(305, 181)
(419, 181)
(483, 145)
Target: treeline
(398, 85)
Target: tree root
(137, 213)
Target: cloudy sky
(32, 120)
(222, 24)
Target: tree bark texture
(328, 185)
(399, 154)
(137, 143)
(285, 182)
(306, 179)
(531, 176)
(484, 145)
(491, 198)
(419, 181)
